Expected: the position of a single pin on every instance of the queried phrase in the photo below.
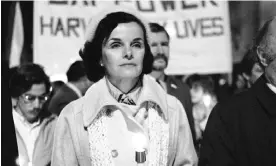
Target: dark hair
(56, 85)
(76, 71)
(155, 28)
(92, 52)
(205, 81)
(248, 61)
(25, 77)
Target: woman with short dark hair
(125, 111)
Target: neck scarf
(130, 97)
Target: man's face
(197, 93)
(30, 103)
(160, 49)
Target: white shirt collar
(28, 133)
(75, 89)
(19, 118)
(271, 87)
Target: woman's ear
(261, 56)
(14, 102)
(101, 63)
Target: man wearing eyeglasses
(30, 86)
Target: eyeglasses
(28, 98)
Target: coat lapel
(98, 96)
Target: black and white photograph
(138, 83)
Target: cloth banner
(199, 32)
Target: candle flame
(139, 142)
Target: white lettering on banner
(199, 32)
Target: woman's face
(196, 93)
(123, 52)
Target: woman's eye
(115, 45)
(138, 45)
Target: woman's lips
(128, 64)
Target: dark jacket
(181, 91)
(242, 132)
(61, 98)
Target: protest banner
(199, 32)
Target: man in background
(160, 48)
(242, 131)
(34, 126)
(76, 87)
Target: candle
(140, 143)
(140, 158)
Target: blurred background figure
(251, 68)
(75, 88)
(203, 99)
(160, 48)
(239, 83)
(56, 85)
(30, 88)
(246, 72)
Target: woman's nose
(128, 53)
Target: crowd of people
(119, 102)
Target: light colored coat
(71, 140)
(43, 144)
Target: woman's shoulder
(173, 103)
(73, 108)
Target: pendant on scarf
(125, 99)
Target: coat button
(114, 153)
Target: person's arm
(185, 152)
(217, 145)
(63, 148)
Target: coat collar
(265, 95)
(98, 96)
